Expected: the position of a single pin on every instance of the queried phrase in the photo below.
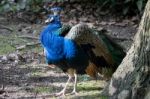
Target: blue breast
(58, 49)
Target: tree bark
(132, 78)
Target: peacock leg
(62, 92)
(75, 84)
(44, 52)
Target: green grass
(9, 42)
(86, 90)
(89, 85)
(89, 89)
(42, 89)
(5, 45)
(36, 74)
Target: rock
(3, 59)
(124, 94)
(147, 95)
(12, 57)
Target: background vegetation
(125, 7)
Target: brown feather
(71, 72)
(91, 70)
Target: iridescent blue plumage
(56, 19)
(59, 49)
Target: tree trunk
(132, 78)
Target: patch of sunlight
(95, 94)
(43, 89)
(36, 74)
(91, 85)
(88, 90)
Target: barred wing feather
(97, 45)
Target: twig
(28, 44)
(21, 47)
(121, 39)
(7, 28)
(30, 37)
(31, 44)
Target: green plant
(10, 5)
(14, 6)
(124, 6)
(120, 6)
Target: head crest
(56, 9)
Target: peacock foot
(74, 93)
(61, 93)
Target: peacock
(81, 50)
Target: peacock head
(56, 10)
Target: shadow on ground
(39, 81)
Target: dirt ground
(40, 82)
(31, 78)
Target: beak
(47, 21)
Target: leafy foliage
(124, 6)
(17, 5)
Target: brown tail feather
(92, 70)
